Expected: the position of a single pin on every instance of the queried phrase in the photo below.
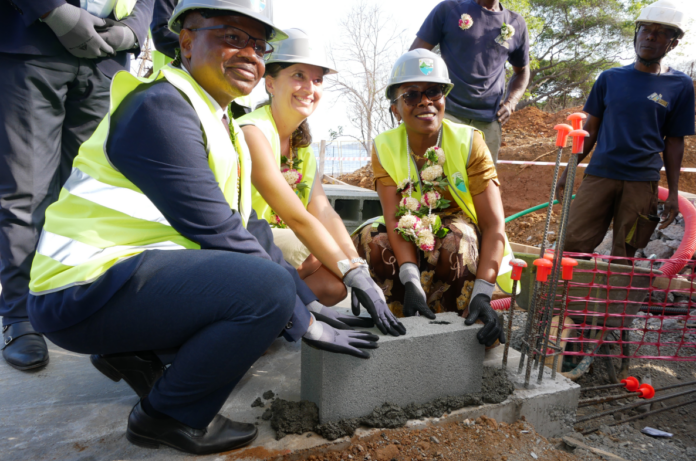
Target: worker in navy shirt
(635, 113)
(477, 38)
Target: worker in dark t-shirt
(477, 38)
(635, 113)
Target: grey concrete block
(354, 205)
(433, 360)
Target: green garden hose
(530, 210)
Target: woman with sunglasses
(441, 243)
(286, 190)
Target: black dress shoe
(140, 371)
(24, 348)
(220, 435)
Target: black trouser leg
(50, 106)
(221, 310)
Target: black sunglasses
(414, 97)
(239, 39)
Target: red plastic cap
(577, 120)
(631, 383)
(646, 391)
(517, 266)
(578, 140)
(568, 264)
(562, 136)
(543, 269)
(548, 256)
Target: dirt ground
(480, 440)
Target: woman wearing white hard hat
(443, 230)
(286, 190)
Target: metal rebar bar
(535, 291)
(633, 405)
(509, 325)
(642, 415)
(599, 388)
(559, 329)
(547, 314)
(609, 398)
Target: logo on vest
(658, 99)
(459, 181)
(426, 66)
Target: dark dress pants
(49, 107)
(221, 310)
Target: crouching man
(153, 244)
(636, 113)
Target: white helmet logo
(426, 66)
(258, 5)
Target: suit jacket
(166, 41)
(21, 32)
(169, 164)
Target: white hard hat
(665, 12)
(299, 48)
(419, 65)
(261, 10)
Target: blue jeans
(220, 309)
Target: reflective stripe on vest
(262, 118)
(124, 8)
(392, 150)
(101, 217)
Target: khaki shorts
(293, 250)
(492, 132)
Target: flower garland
(417, 222)
(288, 168)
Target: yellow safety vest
(262, 118)
(457, 141)
(124, 8)
(102, 218)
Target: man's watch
(344, 264)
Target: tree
(571, 42)
(370, 43)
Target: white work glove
(78, 31)
(414, 297)
(118, 35)
(323, 336)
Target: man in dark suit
(56, 64)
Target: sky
(321, 21)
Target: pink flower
(466, 22)
(430, 199)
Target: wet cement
(300, 417)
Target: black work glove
(480, 309)
(415, 300)
(366, 292)
(336, 319)
(323, 336)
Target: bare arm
(405, 252)
(321, 208)
(491, 222)
(419, 43)
(592, 127)
(518, 85)
(268, 180)
(673, 155)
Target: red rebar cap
(576, 120)
(548, 256)
(646, 391)
(568, 264)
(631, 383)
(543, 269)
(562, 136)
(578, 140)
(517, 266)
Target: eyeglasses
(414, 97)
(660, 32)
(239, 39)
